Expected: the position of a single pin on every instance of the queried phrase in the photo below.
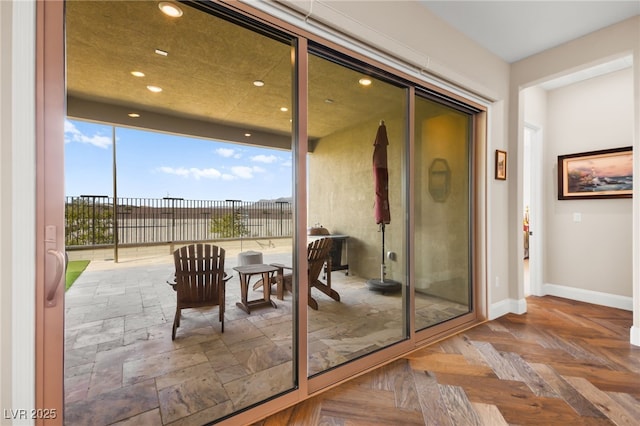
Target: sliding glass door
(349, 108)
(386, 181)
(443, 212)
(202, 103)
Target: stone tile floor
(121, 366)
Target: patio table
(245, 273)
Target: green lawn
(74, 269)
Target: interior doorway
(531, 208)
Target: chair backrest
(199, 274)
(317, 253)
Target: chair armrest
(171, 280)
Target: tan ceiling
(206, 77)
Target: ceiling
(514, 30)
(202, 80)
(207, 85)
(207, 76)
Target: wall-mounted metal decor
(439, 180)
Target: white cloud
(209, 173)
(192, 172)
(267, 159)
(226, 152)
(69, 127)
(72, 134)
(180, 171)
(243, 172)
(237, 172)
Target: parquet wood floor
(561, 363)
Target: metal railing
(94, 220)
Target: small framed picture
(501, 165)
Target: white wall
(594, 254)
(17, 208)
(5, 217)
(535, 106)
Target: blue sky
(156, 165)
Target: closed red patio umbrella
(381, 177)
(382, 213)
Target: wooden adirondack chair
(199, 280)
(317, 255)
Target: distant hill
(276, 200)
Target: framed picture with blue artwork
(596, 174)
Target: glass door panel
(357, 315)
(202, 104)
(442, 213)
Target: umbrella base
(384, 286)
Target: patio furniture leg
(176, 324)
(313, 304)
(221, 317)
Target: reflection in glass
(344, 115)
(442, 213)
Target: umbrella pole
(383, 285)
(382, 266)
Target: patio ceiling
(206, 77)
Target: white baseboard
(635, 336)
(513, 306)
(507, 306)
(589, 296)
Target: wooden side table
(245, 273)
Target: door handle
(52, 286)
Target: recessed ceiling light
(137, 73)
(248, 135)
(258, 83)
(161, 52)
(170, 9)
(133, 115)
(154, 89)
(284, 109)
(365, 81)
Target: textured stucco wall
(442, 223)
(341, 194)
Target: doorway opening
(531, 207)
